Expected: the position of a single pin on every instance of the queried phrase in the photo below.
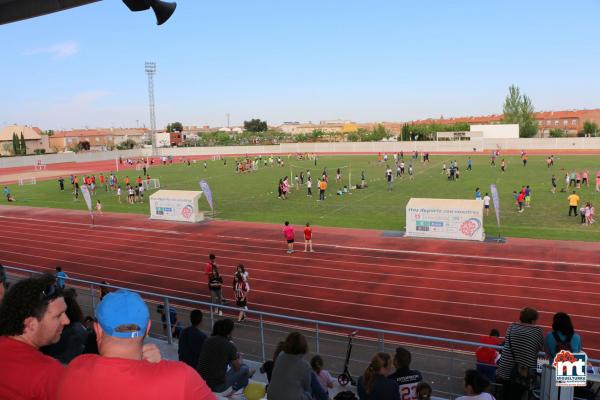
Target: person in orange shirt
(322, 188)
(103, 182)
(139, 181)
(127, 180)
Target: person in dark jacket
(191, 340)
(73, 337)
(374, 384)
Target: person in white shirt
(475, 386)
(486, 204)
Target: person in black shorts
(553, 189)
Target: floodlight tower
(151, 70)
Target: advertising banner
(445, 219)
(176, 205)
(85, 191)
(496, 200)
(207, 193)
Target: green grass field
(253, 196)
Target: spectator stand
(441, 361)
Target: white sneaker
(220, 313)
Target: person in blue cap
(120, 372)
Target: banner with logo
(207, 192)
(86, 195)
(445, 219)
(571, 368)
(176, 205)
(496, 200)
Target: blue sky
(302, 61)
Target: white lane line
(338, 316)
(335, 246)
(89, 232)
(337, 270)
(256, 269)
(429, 253)
(132, 228)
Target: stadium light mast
(151, 70)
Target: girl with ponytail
(374, 383)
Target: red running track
(440, 288)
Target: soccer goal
(151, 184)
(216, 157)
(27, 181)
(139, 167)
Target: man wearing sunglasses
(32, 315)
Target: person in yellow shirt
(573, 203)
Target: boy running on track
(288, 234)
(308, 238)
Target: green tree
(590, 128)
(518, 109)
(49, 132)
(23, 145)
(255, 125)
(316, 134)
(16, 145)
(405, 135)
(353, 137)
(83, 145)
(556, 132)
(124, 145)
(175, 127)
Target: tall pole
(151, 70)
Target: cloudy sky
(302, 61)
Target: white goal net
(216, 157)
(27, 181)
(151, 184)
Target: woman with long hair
(562, 336)
(374, 384)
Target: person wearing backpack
(562, 337)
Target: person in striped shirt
(523, 341)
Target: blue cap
(125, 310)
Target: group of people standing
(240, 287)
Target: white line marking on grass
(131, 228)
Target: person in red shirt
(139, 181)
(127, 180)
(32, 315)
(488, 355)
(119, 372)
(288, 234)
(520, 200)
(308, 238)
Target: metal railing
(442, 361)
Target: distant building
(99, 139)
(169, 139)
(34, 140)
(570, 121)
